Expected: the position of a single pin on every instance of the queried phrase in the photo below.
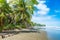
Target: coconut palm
(16, 12)
(4, 9)
(23, 11)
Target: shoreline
(42, 35)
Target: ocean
(53, 33)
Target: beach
(28, 36)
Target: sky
(48, 12)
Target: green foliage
(16, 13)
(37, 24)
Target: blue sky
(48, 12)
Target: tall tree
(16, 12)
(4, 9)
(23, 11)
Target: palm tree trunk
(1, 24)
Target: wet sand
(28, 36)
(43, 35)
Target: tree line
(16, 13)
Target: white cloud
(41, 18)
(48, 20)
(54, 15)
(41, 1)
(43, 9)
(7, 1)
(57, 11)
(44, 18)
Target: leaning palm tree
(23, 11)
(16, 12)
(4, 9)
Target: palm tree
(16, 12)
(4, 9)
(23, 11)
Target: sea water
(53, 33)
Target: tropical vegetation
(16, 13)
(38, 24)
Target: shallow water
(53, 33)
